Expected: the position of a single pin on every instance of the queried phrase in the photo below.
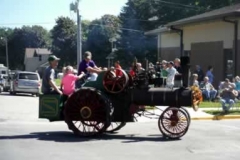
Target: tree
(4, 33)
(85, 32)
(100, 31)
(134, 19)
(64, 41)
(26, 37)
(136, 14)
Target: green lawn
(58, 82)
(220, 112)
(212, 104)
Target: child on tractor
(68, 81)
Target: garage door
(209, 53)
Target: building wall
(170, 53)
(208, 43)
(208, 32)
(168, 46)
(32, 64)
(169, 40)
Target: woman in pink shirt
(68, 81)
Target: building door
(206, 54)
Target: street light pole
(74, 7)
(79, 39)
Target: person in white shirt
(171, 75)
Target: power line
(121, 28)
(10, 24)
(177, 4)
(145, 20)
(129, 29)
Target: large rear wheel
(115, 126)
(88, 112)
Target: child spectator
(68, 81)
(164, 69)
(195, 80)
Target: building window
(40, 57)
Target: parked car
(4, 83)
(25, 82)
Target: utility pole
(74, 7)
(6, 43)
(6, 40)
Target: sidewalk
(199, 115)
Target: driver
(88, 67)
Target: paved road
(25, 137)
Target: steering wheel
(115, 81)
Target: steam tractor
(107, 104)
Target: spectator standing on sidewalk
(210, 75)
(200, 73)
(178, 76)
(171, 75)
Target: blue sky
(15, 13)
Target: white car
(25, 82)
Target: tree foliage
(128, 28)
(136, 15)
(64, 42)
(100, 32)
(18, 40)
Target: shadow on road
(63, 136)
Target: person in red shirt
(118, 72)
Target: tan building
(208, 38)
(36, 58)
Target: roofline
(219, 16)
(157, 31)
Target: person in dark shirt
(87, 65)
(48, 80)
(200, 73)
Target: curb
(219, 117)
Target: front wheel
(173, 123)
